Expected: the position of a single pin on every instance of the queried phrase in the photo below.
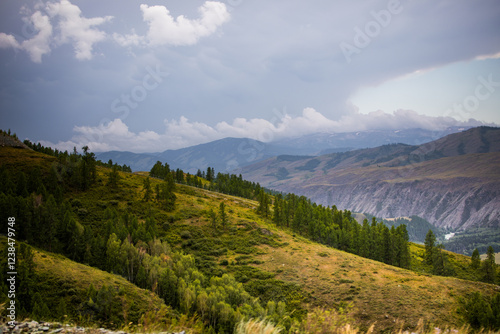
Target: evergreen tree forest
(325, 225)
(132, 245)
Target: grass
(275, 266)
(57, 278)
(305, 274)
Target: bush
(185, 235)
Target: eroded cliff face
(453, 182)
(457, 204)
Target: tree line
(435, 256)
(126, 246)
(329, 226)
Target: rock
(265, 231)
(33, 324)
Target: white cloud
(8, 41)
(39, 44)
(71, 28)
(164, 29)
(183, 133)
(128, 40)
(36, 46)
(76, 29)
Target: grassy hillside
(272, 265)
(65, 292)
(452, 183)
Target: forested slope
(213, 258)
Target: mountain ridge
(230, 153)
(441, 181)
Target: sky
(146, 76)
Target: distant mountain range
(228, 154)
(452, 182)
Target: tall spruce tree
(148, 193)
(489, 266)
(223, 215)
(430, 247)
(475, 260)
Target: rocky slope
(453, 182)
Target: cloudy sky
(146, 76)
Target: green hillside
(63, 289)
(211, 272)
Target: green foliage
(430, 247)
(223, 215)
(488, 267)
(173, 246)
(159, 170)
(475, 260)
(417, 227)
(481, 312)
(165, 193)
(481, 238)
(113, 178)
(339, 229)
(148, 192)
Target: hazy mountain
(230, 153)
(223, 155)
(324, 143)
(453, 182)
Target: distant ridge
(453, 182)
(228, 154)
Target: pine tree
(165, 193)
(430, 246)
(113, 177)
(213, 219)
(222, 215)
(438, 261)
(475, 260)
(278, 210)
(489, 267)
(87, 169)
(22, 189)
(148, 193)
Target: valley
(453, 182)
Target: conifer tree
(475, 259)
(165, 193)
(438, 261)
(213, 219)
(222, 214)
(430, 245)
(22, 189)
(113, 177)
(148, 193)
(87, 169)
(489, 266)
